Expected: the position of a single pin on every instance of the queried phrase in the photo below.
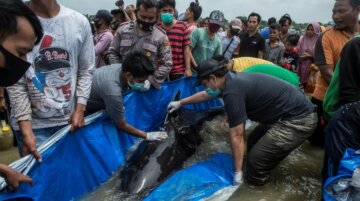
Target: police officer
(144, 35)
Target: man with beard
(327, 53)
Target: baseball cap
(236, 24)
(104, 15)
(216, 17)
(206, 68)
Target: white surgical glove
(238, 178)
(175, 105)
(158, 136)
(147, 86)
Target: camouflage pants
(268, 145)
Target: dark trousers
(268, 145)
(342, 132)
(318, 137)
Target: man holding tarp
(107, 93)
(54, 91)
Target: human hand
(3, 107)
(238, 178)
(188, 72)
(307, 54)
(175, 105)
(29, 147)
(77, 118)
(13, 178)
(156, 136)
(282, 62)
(130, 8)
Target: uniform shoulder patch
(126, 27)
(160, 29)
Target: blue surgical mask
(136, 86)
(213, 93)
(167, 18)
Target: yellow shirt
(243, 63)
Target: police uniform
(154, 44)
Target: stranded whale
(153, 162)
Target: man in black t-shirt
(286, 116)
(252, 44)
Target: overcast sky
(300, 10)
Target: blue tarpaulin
(339, 187)
(198, 181)
(80, 162)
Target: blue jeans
(41, 135)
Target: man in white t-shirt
(55, 89)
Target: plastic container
(6, 137)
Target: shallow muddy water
(297, 178)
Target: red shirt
(179, 38)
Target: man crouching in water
(287, 118)
(110, 82)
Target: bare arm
(77, 118)
(29, 140)
(260, 54)
(196, 98)
(21, 107)
(12, 177)
(192, 60)
(327, 72)
(187, 55)
(127, 17)
(236, 51)
(129, 129)
(2, 99)
(237, 146)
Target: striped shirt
(179, 38)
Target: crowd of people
(56, 72)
